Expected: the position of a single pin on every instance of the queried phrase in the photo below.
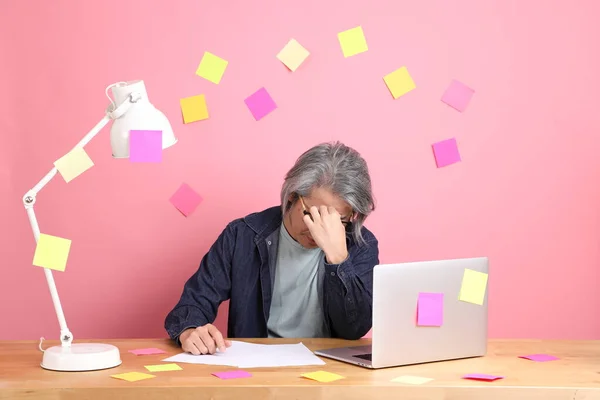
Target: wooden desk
(575, 376)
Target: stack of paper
(249, 355)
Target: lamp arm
(66, 337)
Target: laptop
(397, 339)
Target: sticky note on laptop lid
(473, 288)
(430, 309)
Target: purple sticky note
(232, 374)
(145, 146)
(539, 357)
(430, 309)
(458, 95)
(148, 351)
(185, 199)
(482, 377)
(260, 103)
(446, 152)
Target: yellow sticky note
(194, 108)
(412, 380)
(163, 367)
(323, 376)
(73, 164)
(473, 287)
(211, 67)
(51, 252)
(293, 54)
(133, 376)
(399, 82)
(353, 41)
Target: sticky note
(148, 351)
(482, 377)
(446, 152)
(412, 380)
(399, 82)
(430, 309)
(145, 146)
(260, 104)
(539, 357)
(293, 54)
(51, 252)
(73, 164)
(133, 376)
(353, 41)
(163, 367)
(458, 95)
(473, 287)
(323, 376)
(185, 199)
(194, 108)
(211, 67)
(232, 374)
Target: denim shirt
(240, 267)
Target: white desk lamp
(131, 110)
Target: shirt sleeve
(205, 290)
(348, 289)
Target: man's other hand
(203, 340)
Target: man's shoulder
(257, 222)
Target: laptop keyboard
(364, 356)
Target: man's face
(294, 219)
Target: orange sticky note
(133, 376)
(163, 367)
(194, 108)
(52, 252)
(323, 376)
(73, 164)
(211, 67)
(399, 82)
(293, 54)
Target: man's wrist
(336, 258)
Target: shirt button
(333, 274)
(268, 242)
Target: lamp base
(81, 357)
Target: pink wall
(527, 193)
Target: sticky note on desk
(539, 357)
(482, 377)
(353, 41)
(193, 108)
(260, 104)
(145, 146)
(148, 351)
(446, 152)
(473, 287)
(133, 376)
(323, 376)
(52, 252)
(399, 82)
(411, 380)
(430, 309)
(211, 67)
(163, 367)
(293, 55)
(73, 164)
(232, 374)
(458, 95)
(185, 199)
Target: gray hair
(338, 168)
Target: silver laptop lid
(398, 340)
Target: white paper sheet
(250, 355)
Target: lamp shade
(142, 115)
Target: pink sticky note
(145, 146)
(430, 309)
(482, 377)
(539, 357)
(446, 152)
(458, 95)
(185, 199)
(148, 351)
(232, 374)
(260, 103)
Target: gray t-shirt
(295, 307)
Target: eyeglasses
(306, 212)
